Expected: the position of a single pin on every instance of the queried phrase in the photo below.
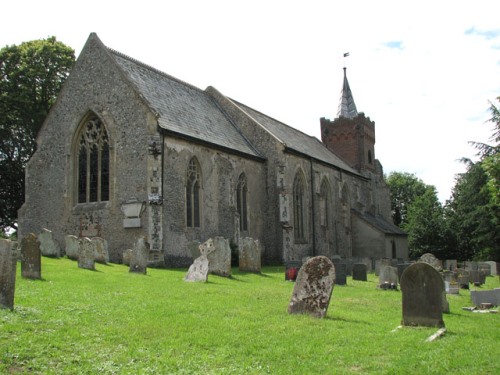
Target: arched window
(241, 201)
(193, 194)
(324, 203)
(299, 207)
(93, 162)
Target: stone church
(128, 150)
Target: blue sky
(423, 71)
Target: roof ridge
(152, 68)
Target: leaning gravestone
(8, 265)
(313, 288)
(198, 271)
(100, 250)
(48, 246)
(359, 272)
(423, 290)
(249, 255)
(220, 259)
(86, 259)
(431, 260)
(140, 255)
(72, 243)
(31, 257)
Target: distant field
(110, 321)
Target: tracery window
(193, 194)
(241, 201)
(93, 162)
(299, 207)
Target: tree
(404, 188)
(31, 76)
(426, 226)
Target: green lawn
(110, 321)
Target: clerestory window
(93, 162)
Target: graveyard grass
(110, 321)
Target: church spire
(347, 108)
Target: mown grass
(110, 321)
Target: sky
(424, 71)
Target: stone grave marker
(431, 260)
(401, 268)
(477, 277)
(422, 287)
(380, 263)
(450, 265)
(249, 255)
(8, 266)
(220, 258)
(463, 278)
(100, 250)
(140, 255)
(388, 278)
(313, 288)
(485, 268)
(127, 255)
(479, 297)
(198, 271)
(194, 248)
(340, 273)
(31, 257)
(48, 246)
(86, 259)
(493, 267)
(71, 246)
(359, 272)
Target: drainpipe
(313, 211)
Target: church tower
(351, 135)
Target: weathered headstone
(479, 297)
(249, 255)
(313, 288)
(8, 265)
(450, 265)
(198, 271)
(340, 273)
(401, 268)
(463, 278)
(359, 272)
(485, 268)
(71, 246)
(194, 248)
(140, 255)
(431, 260)
(477, 277)
(422, 287)
(220, 258)
(31, 257)
(127, 255)
(86, 259)
(100, 249)
(493, 267)
(381, 263)
(48, 246)
(388, 278)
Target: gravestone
(100, 250)
(198, 271)
(381, 263)
(450, 265)
(359, 272)
(431, 260)
(86, 259)
(249, 255)
(477, 277)
(463, 278)
(313, 288)
(493, 267)
(340, 273)
(72, 244)
(8, 265)
(401, 268)
(478, 297)
(127, 255)
(220, 258)
(194, 248)
(48, 246)
(485, 268)
(388, 278)
(31, 257)
(422, 287)
(140, 255)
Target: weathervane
(346, 54)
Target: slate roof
(347, 107)
(298, 141)
(182, 108)
(380, 223)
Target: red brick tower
(351, 135)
